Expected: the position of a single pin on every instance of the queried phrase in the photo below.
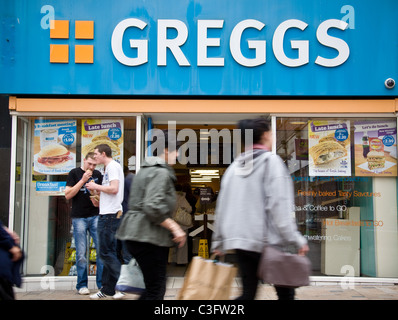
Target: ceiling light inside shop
(202, 175)
(196, 180)
(204, 171)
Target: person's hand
(91, 185)
(179, 236)
(303, 250)
(218, 253)
(16, 253)
(87, 175)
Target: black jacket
(9, 270)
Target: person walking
(11, 258)
(179, 255)
(110, 209)
(84, 216)
(256, 203)
(148, 228)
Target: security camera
(389, 83)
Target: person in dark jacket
(148, 228)
(11, 257)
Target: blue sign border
(26, 69)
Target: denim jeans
(107, 226)
(80, 228)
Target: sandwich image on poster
(54, 146)
(329, 148)
(375, 148)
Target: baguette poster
(54, 146)
(103, 131)
(329, 148)
(375, 148)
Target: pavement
(265, 292)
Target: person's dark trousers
(6, 290)
(107, 226)
(248, 262)
(152, 260)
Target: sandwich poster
(329, 148)
(54, 146)
(103, 131)
(375, 148)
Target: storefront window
(345, 182)
(48, 148)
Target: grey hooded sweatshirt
(255, 204)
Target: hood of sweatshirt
(158, 162)
(248, 162)
(154, 161)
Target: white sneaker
(99, 296)
(119, 295)
(84, 291)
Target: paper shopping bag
(207, 280)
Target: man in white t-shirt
(111, 197)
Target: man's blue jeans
(107, 226)
(80, 228)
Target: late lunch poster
(329, 148)
(103, 131)
(375, 148)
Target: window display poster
(54, 146)
(51, 188)
(375, 148)
(103, 131)
(329, 148)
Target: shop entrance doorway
(206, 151)
(197, 186)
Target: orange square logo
(60, 29)
(84, 29)
(59, 53)
(84, 53)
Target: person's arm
(280, 201)
(179, 236)
(113, 187)
(114, 182)
(7, 243)
(70, 192)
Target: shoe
(119, 295)
(99, 296)
(84, 291)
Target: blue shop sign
(199, 47)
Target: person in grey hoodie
(147, 227)
(255, 204)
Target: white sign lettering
(204, 42)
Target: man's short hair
(90, 155)
(104, 148)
